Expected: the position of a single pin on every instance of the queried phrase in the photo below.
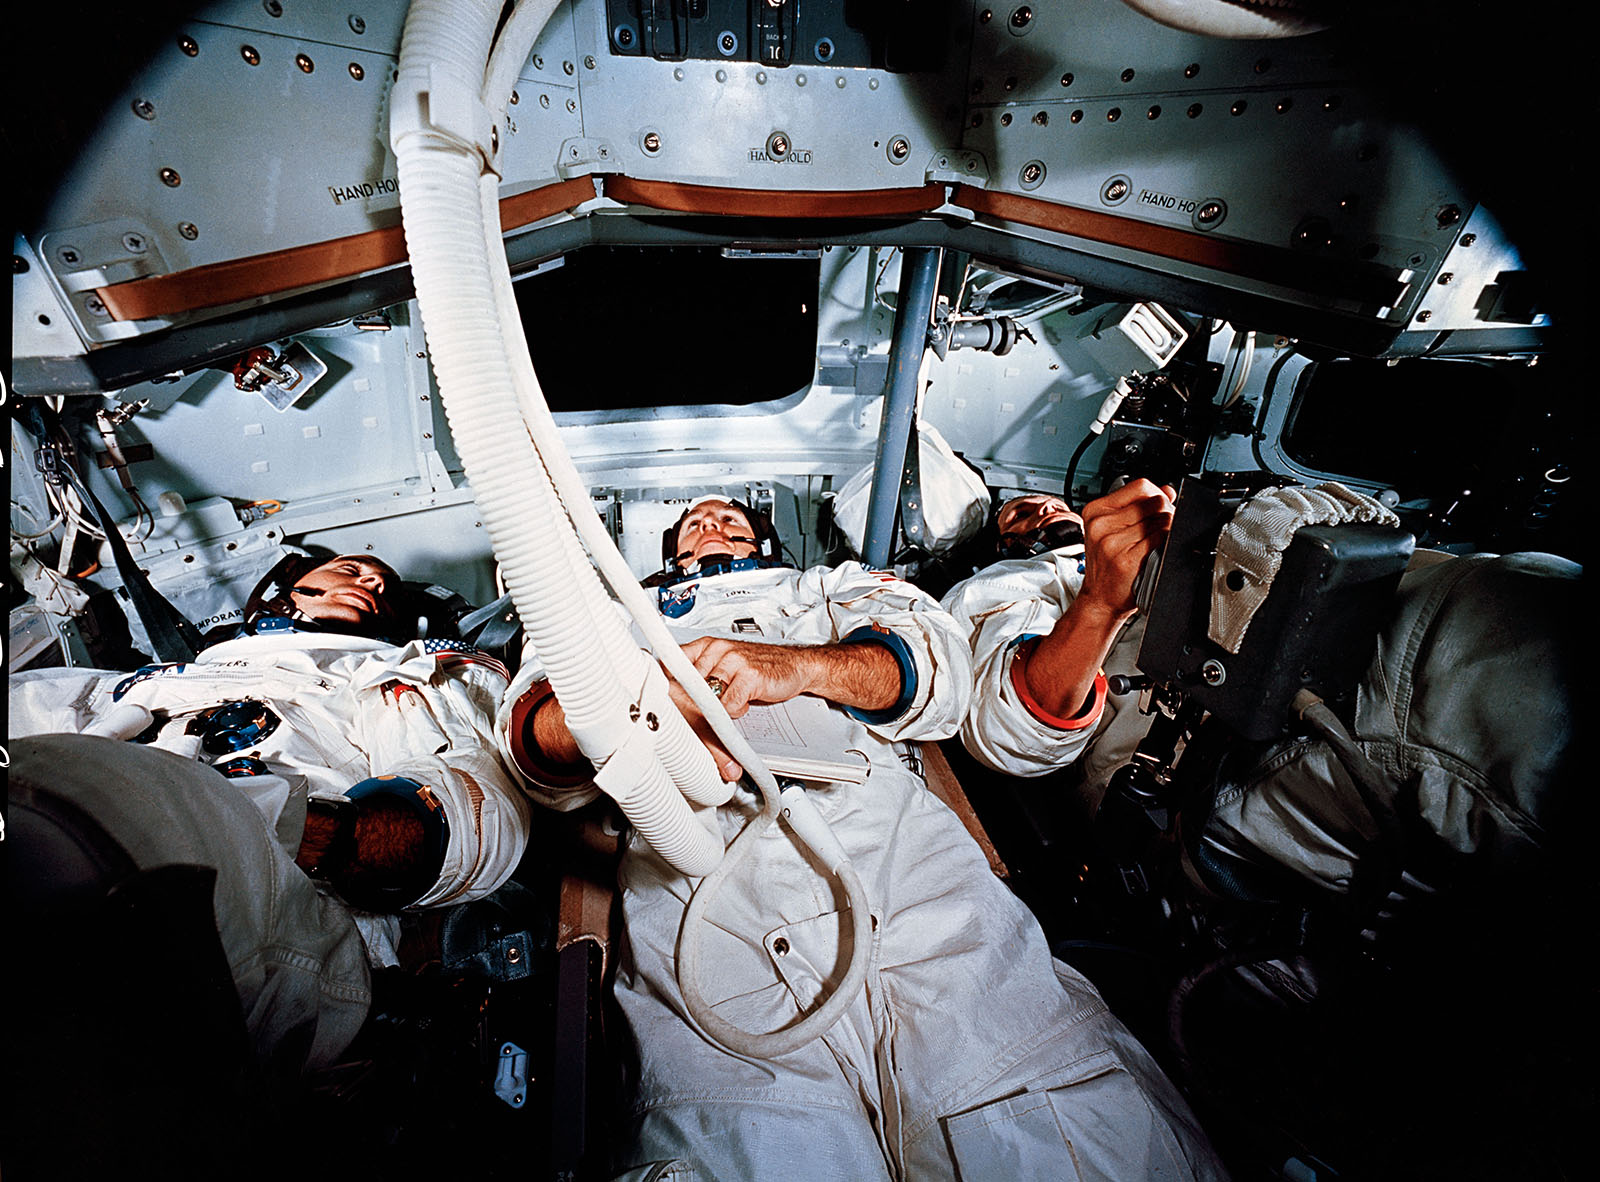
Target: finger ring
(717, 685)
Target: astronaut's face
(1028, 514)
(714, 527)
(349, 589)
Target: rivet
(170, 178)
(1239, 107)
(1076, 116)
(273, 7)
(761, 76)
(357, 25)
(356, 71)
(1066, 79)
(144, 108)
(1005, 119)
(1022, 17)
(1127, 75)
(722, 76)
(1424, 316)
(1194, 110)
(305, 63)
(872, 84)
(189, 45)
(1153, 113)
(799, 79)
(839, 81)
(1191, 69)
(1114, 114)
(251, 57)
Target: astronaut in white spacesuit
(1048, 622)
(369, 756)
(970, 1048)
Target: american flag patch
(460, 652)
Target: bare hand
(751, 672)
(1120, 530)
(728, 767)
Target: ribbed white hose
(521, 502)
(442, 58)
(684, 756)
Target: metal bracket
(511, 1075)
(958, 166)
(580, 157)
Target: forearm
(1060, 673)
(863, 676)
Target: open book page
(807, 739)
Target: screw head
(985, 17)
(1194, 110)
(494, 139)
(1066, 79)
(95, 305)
(572, 104)
(133, 243)
(69, 255)
(538, 62)
(1449, 215)
(189, 45)
(189, 230)
(1191, 69)
(588, 62)
(250, 55)
(1032, 173)
(1468, 239)
(1005, 119)
(1424, 316)
(19, 265)
(357, 72)
(144, 108)
(170, 178)
(652, 142)
(1239, 107)
(515, 98)
(1114, 114)
(899, 149)
(1446, 278)
(777, 145)
(1127, 75)
(1116, 190)
(1042, 118)
(544, 100)
(305, 63)
(273, 7)
(357, 25)
(1210, 212)
(1212, 672)
(1076, 116)
(567, 67)
(1154, 112)
(1022, 17)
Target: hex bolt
(305, 63)
(189, 230)
(133, 243)
(356, 71)
(1022, 17)
(144, 108)
(357, 25)
(273, 7)
(170, 178)
(251, 57)
(189, 45)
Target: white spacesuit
(999, 609)
(969, 1047)
(343, 708)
